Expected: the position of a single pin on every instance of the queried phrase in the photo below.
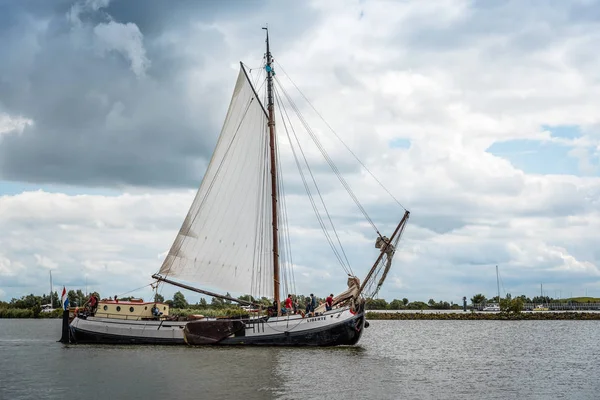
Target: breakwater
(485, 316)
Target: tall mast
(271, 125)
(498, 283)
(51, 302)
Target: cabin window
(105, 308)
(118, 308)
(164, 308)
(146, 307)
(130, 309)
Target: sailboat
(235, 239)
(541, 307)
(48, 308)
(494, 307)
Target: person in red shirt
(288, 304)
(91, 305)
(93, 301)
(329, 303)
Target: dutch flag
(64, 299)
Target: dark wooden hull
(347, 333)
(233, 332)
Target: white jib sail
(225, 241)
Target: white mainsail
(225, 241)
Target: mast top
(268, 49)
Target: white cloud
(12, 124)
(44, 262)
(125, 39)
(396, 282)
(112, 239)
(449, 77)
(584, 157)
(7, 268)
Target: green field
(579, 300)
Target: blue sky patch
(536, 157)
(563, 131)
(401, 143)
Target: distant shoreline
(371, 315)
(484, 316)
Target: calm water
(395, 360)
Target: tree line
(405, 304)
(78, 298)
(180, 302)
(481, 300)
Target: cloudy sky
(481, 117)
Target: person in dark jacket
(313, 304)
(308, 310)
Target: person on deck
(329, 302)
(92, 304)
(308, 309)
(156, 312)
(313, 304)
(289, 304)
(273, 308)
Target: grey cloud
(105, 116)
(530, 27)
(70, 91)
(345, 77)
(585, 11)
(157, 16)
(438, 223)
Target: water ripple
(395, 359)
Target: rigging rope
(288, 266)
(281, 225)
(257, 262)
(382, 263)
(281, 107)
(135, 290)
(339, 138)
(260, 69)
(328, 158)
